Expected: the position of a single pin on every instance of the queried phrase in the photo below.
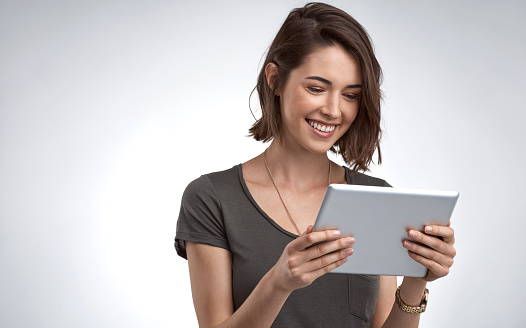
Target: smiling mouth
(321, 127)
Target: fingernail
(412, 234)
(336, 233)
(350, 240)
(348, 251)
(407, 244)
(429, 229)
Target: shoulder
(211, 184)
(228, 176)
(358, 178)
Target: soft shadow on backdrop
(109, 108)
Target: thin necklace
(279, 194)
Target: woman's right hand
(309, 257)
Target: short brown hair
(307, 29)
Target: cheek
(351, 113)
(349, 118)
(297, 103)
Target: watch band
(412, 309)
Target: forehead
(332, 63)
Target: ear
(271, 73)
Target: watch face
(423, 305)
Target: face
(319, 101)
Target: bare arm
(211, 280)
(387, 313)
(385, 301)
(302, 261)
(211, 277)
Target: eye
(350, 96)
(315, 89)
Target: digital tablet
(378, 218)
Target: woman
(247, 232)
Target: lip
(321, 133)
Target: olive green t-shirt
(218, 210)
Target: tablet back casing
(378, 218)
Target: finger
(307, 240)
(445, 233)
(435, 269)
(326, 269)
(309, 230)
(323, 248)
(327, 259)
(442, 259)
(442, 246)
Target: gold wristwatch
(412, 309)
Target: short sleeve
(358, 178)
(200, 218)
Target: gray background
(109, 108)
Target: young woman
(247, 232)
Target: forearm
(261, 307)
(411, 292)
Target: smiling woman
(254, 260)
(301, 35)
(318, 102)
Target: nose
(331, 108)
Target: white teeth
(320, 127)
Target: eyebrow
(321, 79)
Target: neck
(300, 170)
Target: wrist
(411, 290)
(275, 284)
(421, 308)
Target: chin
(319, 149)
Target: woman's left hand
(434, 249)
